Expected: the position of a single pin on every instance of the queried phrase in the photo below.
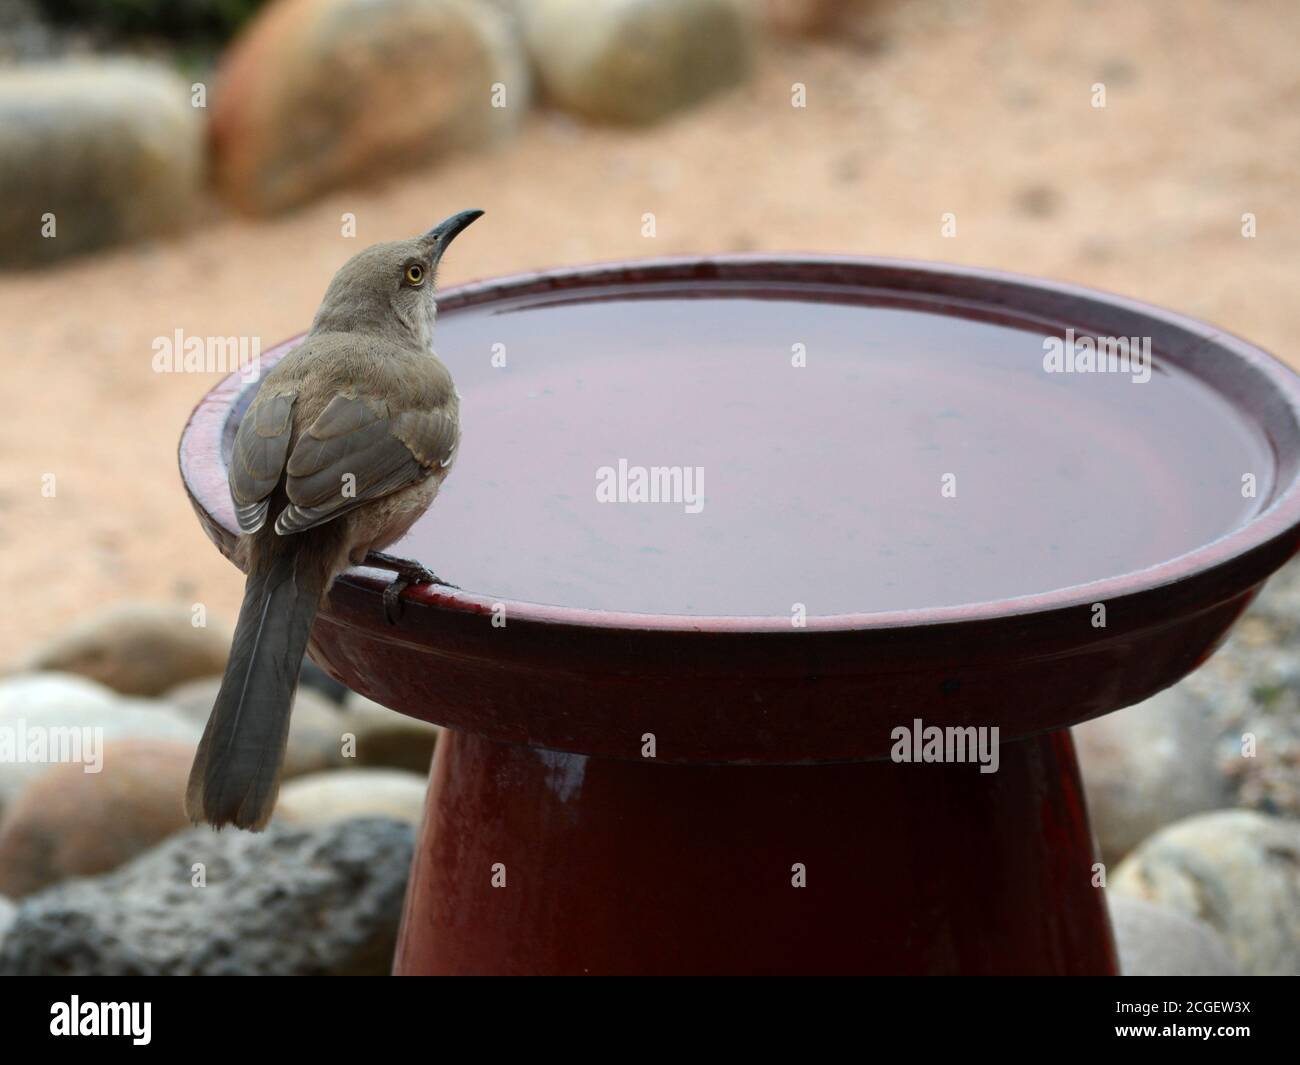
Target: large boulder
(635, 61)
(288, 901)
(70, 822)
(93, 152)
(318, 94)
(136, 648)
(1236, 870)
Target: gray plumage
(344, 446)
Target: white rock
(1236, 870)
(340, 794)
(1154, 941)
(40, 702)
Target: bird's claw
(418, 574)
(408, 573)
(393, 600)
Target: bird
(343, 447)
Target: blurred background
(206, 166)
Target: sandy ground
(981, 110)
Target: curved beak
(445, 231)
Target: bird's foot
(408, 573)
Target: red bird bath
(731, 533)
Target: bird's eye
(415, 274)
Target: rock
(316, 726)
(342, 795)
(111, 149)
(805, 18)
(1228, 735)
(1236, 870)
(69, 822)
(386, 738)
(1148, 766)
(1253, 687)
(1278, 604)
(1154, 941)
(36, 693)
(136, 649)
(325, 900)
(7, 913)
(318, 680)
(24, 35)
(317, 94)
(36, 705)
(635, 61)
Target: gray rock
(1154, 941)
(314, 96)
(24, 34)
(112, 149)
(1148, 766)
(1236, 870)
(319, 681)
(337, 795)
(289, 901)
(136, 648)
(635, 61)
(1253, 688)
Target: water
(822, 485)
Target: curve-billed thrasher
(342, 449)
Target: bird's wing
(357, 450)
(257, 461)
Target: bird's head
(387, 289)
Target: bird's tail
(236, 773)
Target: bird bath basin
(674, 727)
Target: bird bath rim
(1257, 385)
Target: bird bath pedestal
(897, 497)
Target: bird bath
(673, 727)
